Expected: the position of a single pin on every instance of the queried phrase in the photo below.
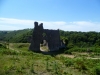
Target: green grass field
(16, 59)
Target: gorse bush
(79, 63)
(3, 46)
(8, 52)
(22, 45)
(68, 52)
(68, 62)
(57, 68)
(78, 49)
(97, 69)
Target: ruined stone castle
(50, 38)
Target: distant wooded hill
(81, 39)
(16, 36)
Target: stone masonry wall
(51, 36)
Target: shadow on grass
(52, 53)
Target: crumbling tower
(52, 38)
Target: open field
(18, 60)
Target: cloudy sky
(68, 15)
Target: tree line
(81, 39)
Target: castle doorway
(44, 46)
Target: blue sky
(68, 15)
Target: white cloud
(6, 27)
(16, 21)
(15, 24)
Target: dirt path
(11, 47)
(73, 56)
(70, 56)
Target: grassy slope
(19, 61)
(15, 36)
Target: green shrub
(70, 45)
(68, 52)
(2, 46)
(22, 45)
(80, 64)
(8, 52)
(32, 68)
(68, 62)
(97, 69)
